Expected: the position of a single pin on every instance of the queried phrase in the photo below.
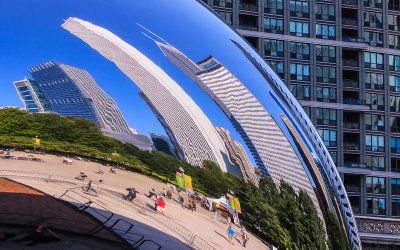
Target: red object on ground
(160, 203)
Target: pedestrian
(160, 206)
(229, 220)
(231, 235)
(245, 237)
(193, 205)
(131, 194)
(151, 193)
(163, 192)
(172, 189)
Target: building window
(227, 16)
(373, 60)
(326, 74)
(394, 5)
(325, 12)
(394, 63)
(273, 6)
(376, 206)
(277, 67)
(374, 122)
(373, 38)
(325, 31)
(395, 186)
(373, 3)
(375, 101)
(301, 92)
(273, 47)
(375, 143)
(395, 207)
(394, 22)
(394, 42)
(300, 51)
(395, 124)
(273, 25)
(325, 53)
(375, 185)
(373, 19)
(395, 164)
(394, 83)
(333, 156)
(395, 145)
(395, 103)
(223, 3)
(373, 81)
(326, 116)
(300, 72)
(307, 110)
(328, 136)
(375, 162)
(325, 94)
(299, 29)
(299, 9)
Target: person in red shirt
(160, 205)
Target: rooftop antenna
(152, 33)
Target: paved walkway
(199, 222)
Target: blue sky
(31, 33)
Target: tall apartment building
(70, 91)
(341, 59)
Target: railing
(353, 165)
(349, 21)
(222, 3)
(350, 83)
(247, 27)
(248, 6)
(354, 101)
(350, 2)
(351, 146)
(351, 125)
(350, 188)
(352, 39)
(350, 62)
(191, 238)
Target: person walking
(231, 235)
(245, 237)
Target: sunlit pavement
(152, 226)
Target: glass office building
(340, 59)
(32, 97)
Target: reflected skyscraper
(32, 96)
(190, 126)
(70, 91)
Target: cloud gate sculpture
(202, 80)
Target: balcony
(248, 6)
(353, 165)
(247, 22)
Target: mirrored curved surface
(192, 72)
